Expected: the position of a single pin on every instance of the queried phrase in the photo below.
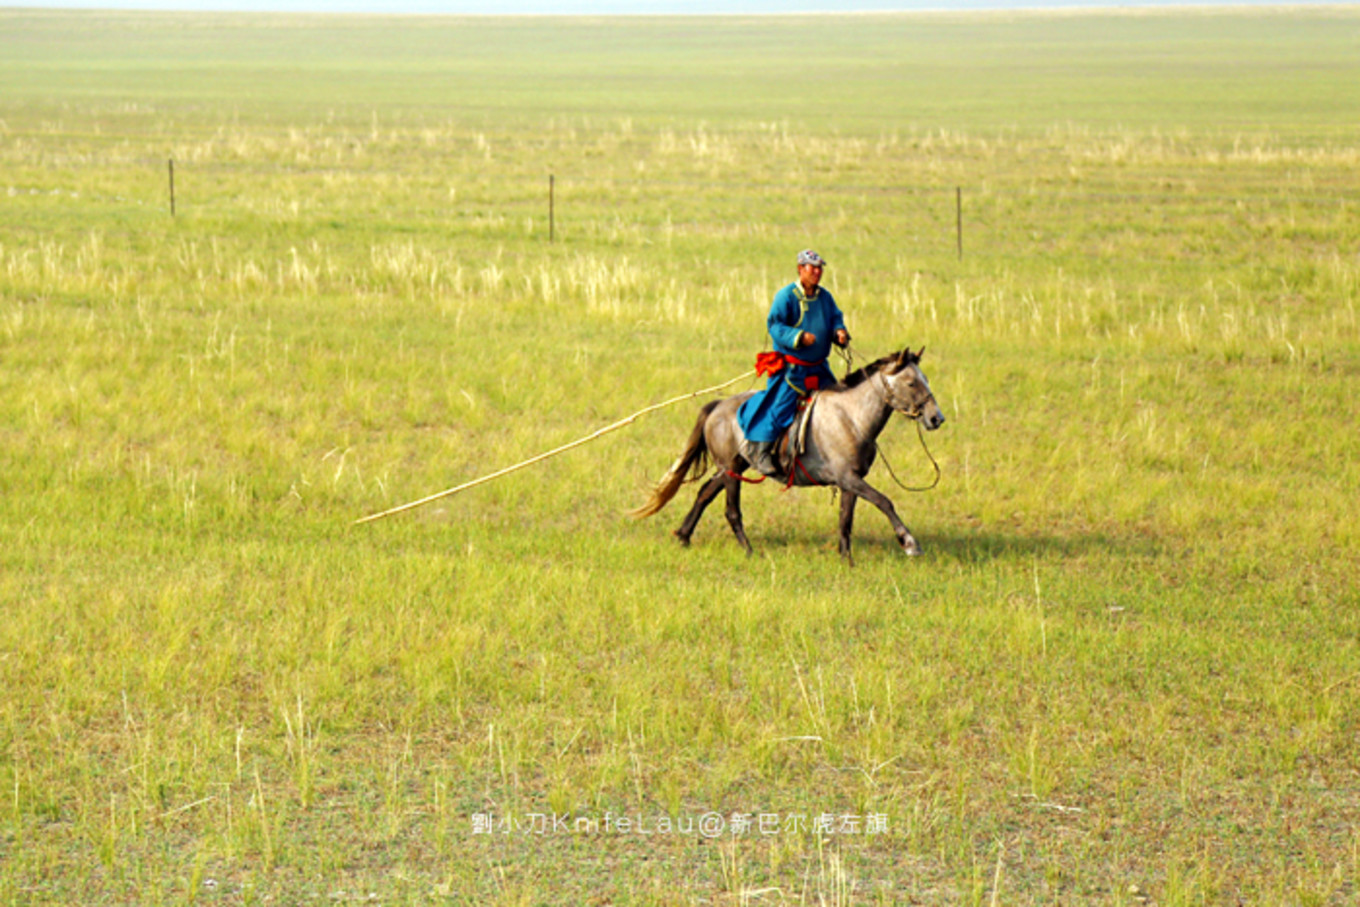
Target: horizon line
(968, 6)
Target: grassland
(1125, 672)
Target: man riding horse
(804, 321)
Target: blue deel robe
(769, 413)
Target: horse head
(907, 389)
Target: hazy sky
(608, 7)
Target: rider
(804, 321)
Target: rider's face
(810, 275)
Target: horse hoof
(911, 549)
(683, 539)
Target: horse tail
(689, 466)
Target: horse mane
(860, 375)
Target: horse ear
(919, 353)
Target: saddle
(793, 444)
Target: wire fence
(556, 204)
(536, 184)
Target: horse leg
(701, 501)
(734, 510)
(858, 486)
(848, 499)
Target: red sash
(773, 362)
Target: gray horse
(840, 447)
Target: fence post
(958, 217)
(172, 187)
(551, 225)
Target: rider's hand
(842, 337)
(807, 338)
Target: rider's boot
(762, 458)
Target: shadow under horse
(840, 447)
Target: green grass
(1126, 669)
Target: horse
(845, 422)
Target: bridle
(885, 395)
(914, 414)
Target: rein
(920, 433)
(847, 356)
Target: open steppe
(1126, 670)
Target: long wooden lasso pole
(554, 452)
